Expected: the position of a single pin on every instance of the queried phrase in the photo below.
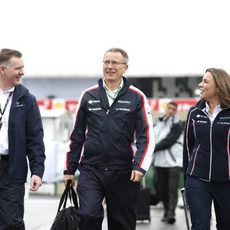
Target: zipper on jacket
(211, 149)
(210, 163)
(210, 139)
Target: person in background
(110, 116)
(207, 152)
(168, 160)
(21, 138)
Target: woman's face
(208, 89)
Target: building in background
(70, 87)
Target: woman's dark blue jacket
(207, 145)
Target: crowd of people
(110, 117)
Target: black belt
(4, 157)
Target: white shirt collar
(119, 87)
(7, 90)
(215, 111)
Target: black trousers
(200, 196)
(167, 187)
(120, 194)
(11, 201)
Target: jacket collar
(19, 92)
(201, 104)
(125, 81)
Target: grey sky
(162, 37)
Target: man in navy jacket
(110, 117)
(21, 140)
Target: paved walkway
(41, 210)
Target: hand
(69, 177)
(35, 183)
(136, 176)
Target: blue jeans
(200, 195)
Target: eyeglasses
(113, 63)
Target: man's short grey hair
(119, 50)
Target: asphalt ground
(40, 212)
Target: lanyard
(4, 109)
(115, 94)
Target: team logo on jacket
(123, 102)
(93, 101)
(123, 109)
(201, 116)
(17, 104)
(223, 123)
(199, 121)
(94, 109)
(224, 118)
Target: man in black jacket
(21, 138)
(110, 116)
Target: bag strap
(73, 196)
(68, 192)
(64, 197)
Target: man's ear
(126, 68)
(1, 68)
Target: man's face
(114, 66)
(170, 110)
(12, 72)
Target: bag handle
(73, 196)
(68, 192)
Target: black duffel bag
(67, 217)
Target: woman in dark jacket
(207, 152)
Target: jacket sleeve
(77, 139)
(171, 138)
(145, 142)
(34, 137)
(188, 142)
